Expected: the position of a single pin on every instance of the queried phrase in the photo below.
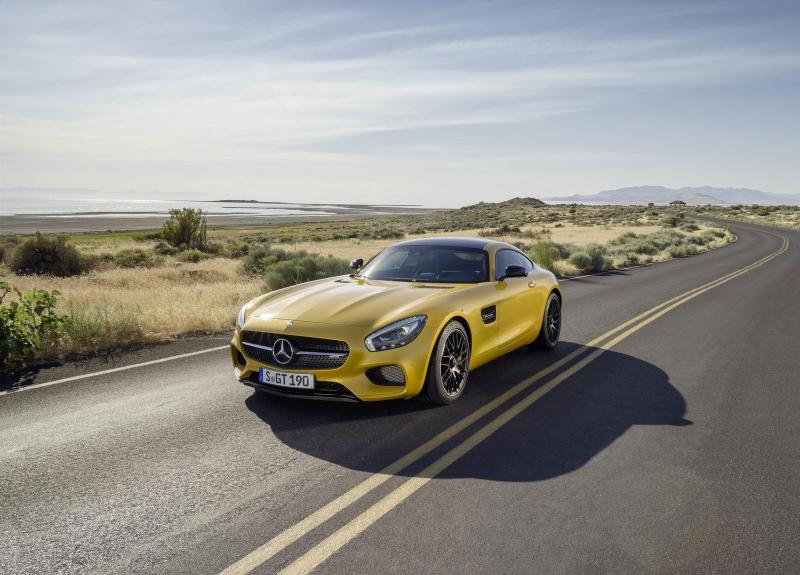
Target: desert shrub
(213, 248)
(193, 256)
(544, 254)
(134, 259)
(281, 268)
(762, 211)
(631, 259)
(599, 261)
(689, 227)
(259, 258)
(681, 250)
(581, 260)
(2, 253)
(385, 233)
(672, 220)
(44, 255)
(502, 230)
(564, 250)
(185, 228)
(665, 238)
(164, 249)
(147, 236)
(237, 249)
(292, 271)
(591, 259)
(644, 247)
(26, 323)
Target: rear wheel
(449, 367)
(551, 324)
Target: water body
(91, 207)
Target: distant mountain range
(692, 196)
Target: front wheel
(551, 324)
(449, 366)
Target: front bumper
(348, 382)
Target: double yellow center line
(590, 351)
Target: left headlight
(396, 334)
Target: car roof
(456, 242)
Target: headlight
(396, 334)
(240, 319)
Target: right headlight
(241, 317)
(396, 334)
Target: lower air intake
(386, 375)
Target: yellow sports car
(414, 320)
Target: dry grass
(114, 308)
(585, 235)
(568, 233)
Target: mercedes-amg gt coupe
(415, 320)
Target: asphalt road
(676, 450)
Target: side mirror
(357, 264)
(513, 271)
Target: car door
(519, 300)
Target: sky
(434, 103)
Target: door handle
(531, 284)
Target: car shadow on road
(561, 432)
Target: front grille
(309, 352)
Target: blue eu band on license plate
(286, 379)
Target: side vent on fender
(489, 314)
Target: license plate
(286, 379)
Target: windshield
(427, 263)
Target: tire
(449, 366)
(550, 330)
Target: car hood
(349, 301)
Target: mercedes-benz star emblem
(283, 351)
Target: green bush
(762, 211)
(376, 233)
(503, 230)
(214, 248)
(581, 260)
(631, 259)
(698, 240)
(592, 259)
(237, 249)
(164, 249)
(545, 254)
(599, 261)
(43, 255)
(681, 250)
(134, 259)
(26, 323)
(306, 268)
(185, 228)
(147, 236)
(193, 256)
(259, 257)
(645, 247)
